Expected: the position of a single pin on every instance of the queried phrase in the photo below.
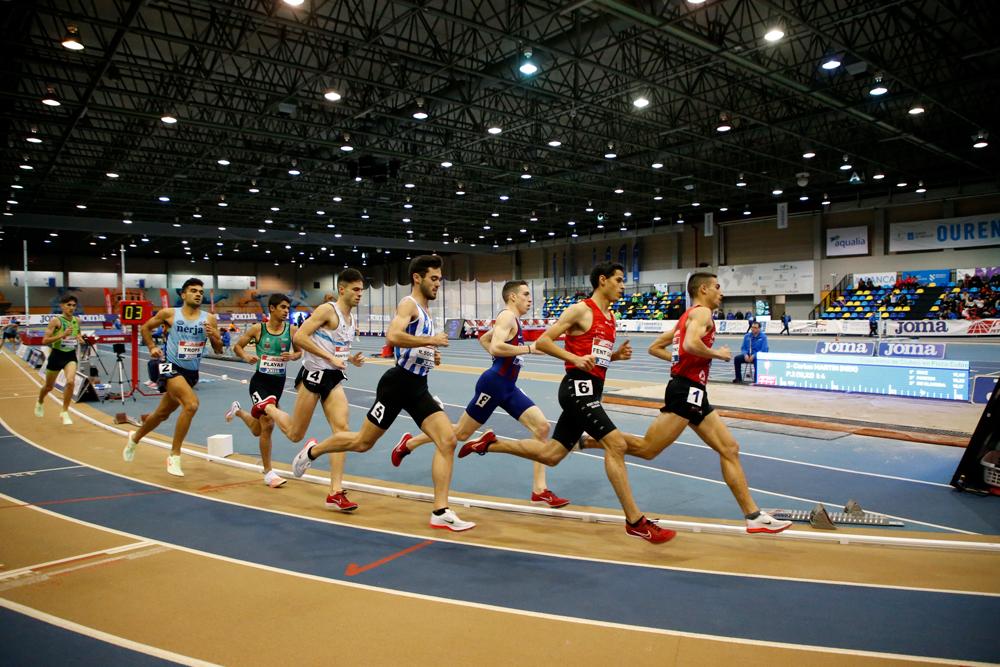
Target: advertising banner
(974, 231)
(911, 350)
(845, 241)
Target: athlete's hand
(439, 340)
(251, 358)
(724, 353)
(155, 352)
(437, 358)
(625, 351)
(585, 363)
(358, 359)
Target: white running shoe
(765, 523)
(274, 480)
(174, 465)
(301, 462)
(129, 452)
(65, 418)
(39, 410)
(450, 521)
(231, 412)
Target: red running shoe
(339, 501)
(401, 451)
(480, 445)
(546, 497)
(258, 408)
(649, 531)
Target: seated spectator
(754, 341)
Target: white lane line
(104, 636)
(536, 614)
(28, 473)
(112, 551)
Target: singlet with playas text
(510, 367)
(598, 340)
(269, 350)
(417, 360)
(335, 342)
(688, 365)
(186, 340)
(67, 344)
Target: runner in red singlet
(686, 398)
(590, 338)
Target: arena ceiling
(248, 83)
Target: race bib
(424, 356)
(272, 365)
(190, 349)
(695, 396)
(342, 352)
(601, 350)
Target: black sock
(753, 515)
(636, 522)
(440, 511)
(309, 453)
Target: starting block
(818, 517)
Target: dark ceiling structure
(413, 125)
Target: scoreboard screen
(912, 378)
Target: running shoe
(401, 451)
(39, 410)
(273, 479)
(174, 465)
(339, 501)
(765, 523)
(301, 462)
(258, 409)
(65, 418)
(546, 497)
(480, 445)
(450, 521)
(129, 452)
(231, 412)
(649, 531)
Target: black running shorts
(58, 360)
(399, 390)
(688, 399)
(263, 385)
(319, 382)
(580, 398)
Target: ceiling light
(979, 139)
(831, 63)
(808, 155)
(555, 143)
(773, 34)
(916, 110)
(641, 101)
(50, 98)
(71, 40)
(446, 164)
(168, 119)
(920, 188)
(331, 95)
(527, 67)
(878, 88)
(846, 166)
(741, 182)
(494, 129)
(878, 176)
(724, 123)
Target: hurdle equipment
(818, 517)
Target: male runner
(404, 387)
(325, 340)
(589, 326)
(63, 336)
(10, 334)
(272, 352)
(686, 398)
(497, 388)
(187, 327)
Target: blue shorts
(495, 391)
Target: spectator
(785, 321)
(754, 341)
